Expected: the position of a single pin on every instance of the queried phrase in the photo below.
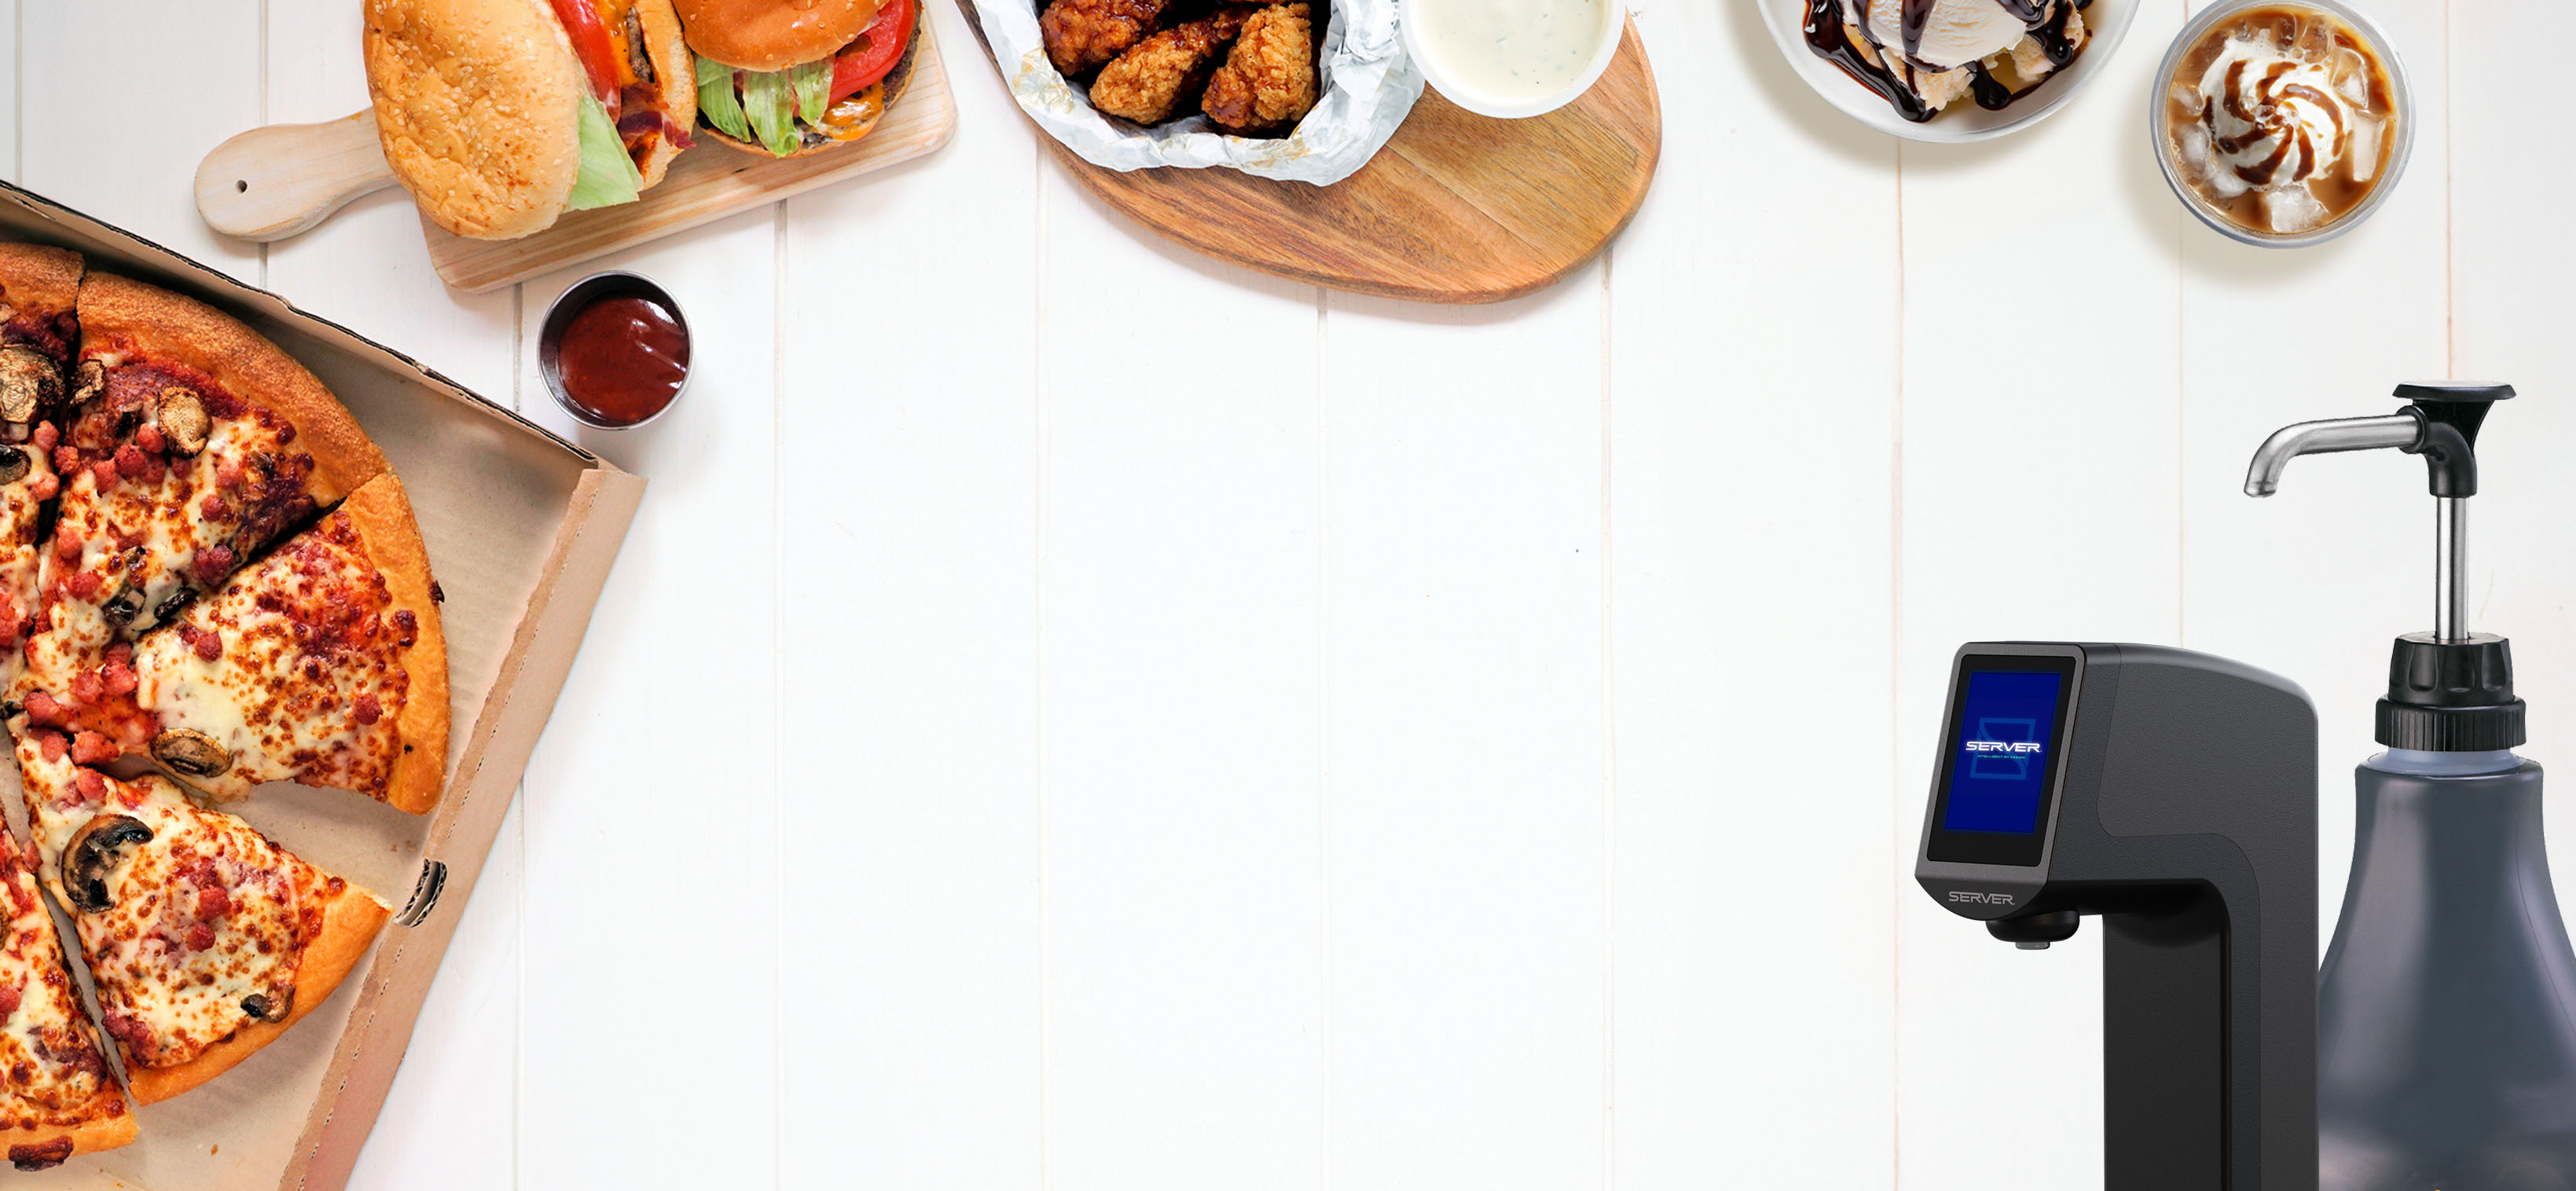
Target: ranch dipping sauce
(1510, 53)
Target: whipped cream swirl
(2274, 118)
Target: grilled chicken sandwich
(783, 78)
(501, 115)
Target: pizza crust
(349, 925)
(160, 326)
(41, 278)
(382, 515)
(104, 1132)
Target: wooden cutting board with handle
(1456, 207)
(271, 183)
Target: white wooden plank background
(1198, 731)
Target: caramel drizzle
(2270, 117)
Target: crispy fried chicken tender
(1084, 35)
(1149, 84)
(1268, 81)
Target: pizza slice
(192, 443)
(38, 287)
(204, 940)
(57, 1098)
(322, 663)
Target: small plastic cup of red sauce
(614, 349)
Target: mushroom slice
(29, 383)
(191, 753)
(121, 607)
(14, 464)
(182, 418)
(92, 852)
(266, 1007)
(88, 381)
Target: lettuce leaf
(608, 175)
(812, 83)
(716, 99)
(772, 110)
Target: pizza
(191, 445)
(57, 1096)
(38, 287)
(209, 579)
(204, 939)
(321, 664)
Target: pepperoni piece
(9, 998)
(50, 744)
(201, 937)
(212, 564)
(66, 460)
(91, 785)
(46, 486)
(130, 461)
(209, 646)
(83, 585)
(369, 710)
(67, 543)
(118, 678)
(42, 710)
(215, 508)
(149, 439)
(228, 474)
(47, 438)
(88, 687)
(213, 902)
(90, 748)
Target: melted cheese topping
(201, 917)
(144, 537)
(305, 686)
(51, 1071)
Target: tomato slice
(875, 51)
(590, 44)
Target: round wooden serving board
(1456, 208)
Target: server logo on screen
(2007, 759)
(2005, 733)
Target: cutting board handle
(271, 183)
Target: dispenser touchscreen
(2003, 747)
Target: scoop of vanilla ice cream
(1958, 32)
(2273, 117)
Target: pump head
(2449, 690)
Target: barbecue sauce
(622, 359)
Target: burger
(501, 115)
(783, 78)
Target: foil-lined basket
(1366, 87)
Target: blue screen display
(1999, 773)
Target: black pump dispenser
(2447, 1007)
(2174, 795)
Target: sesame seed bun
(478, 105)
(773, 34)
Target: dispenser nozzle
(2263, 478)
(2440, 423)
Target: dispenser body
(2174, 795)
(2447, 1011)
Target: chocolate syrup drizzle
(2045, 22)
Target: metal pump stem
(2451, 569)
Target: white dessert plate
(2107, 22)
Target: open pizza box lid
(522, 528)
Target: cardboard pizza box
(522, 528)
